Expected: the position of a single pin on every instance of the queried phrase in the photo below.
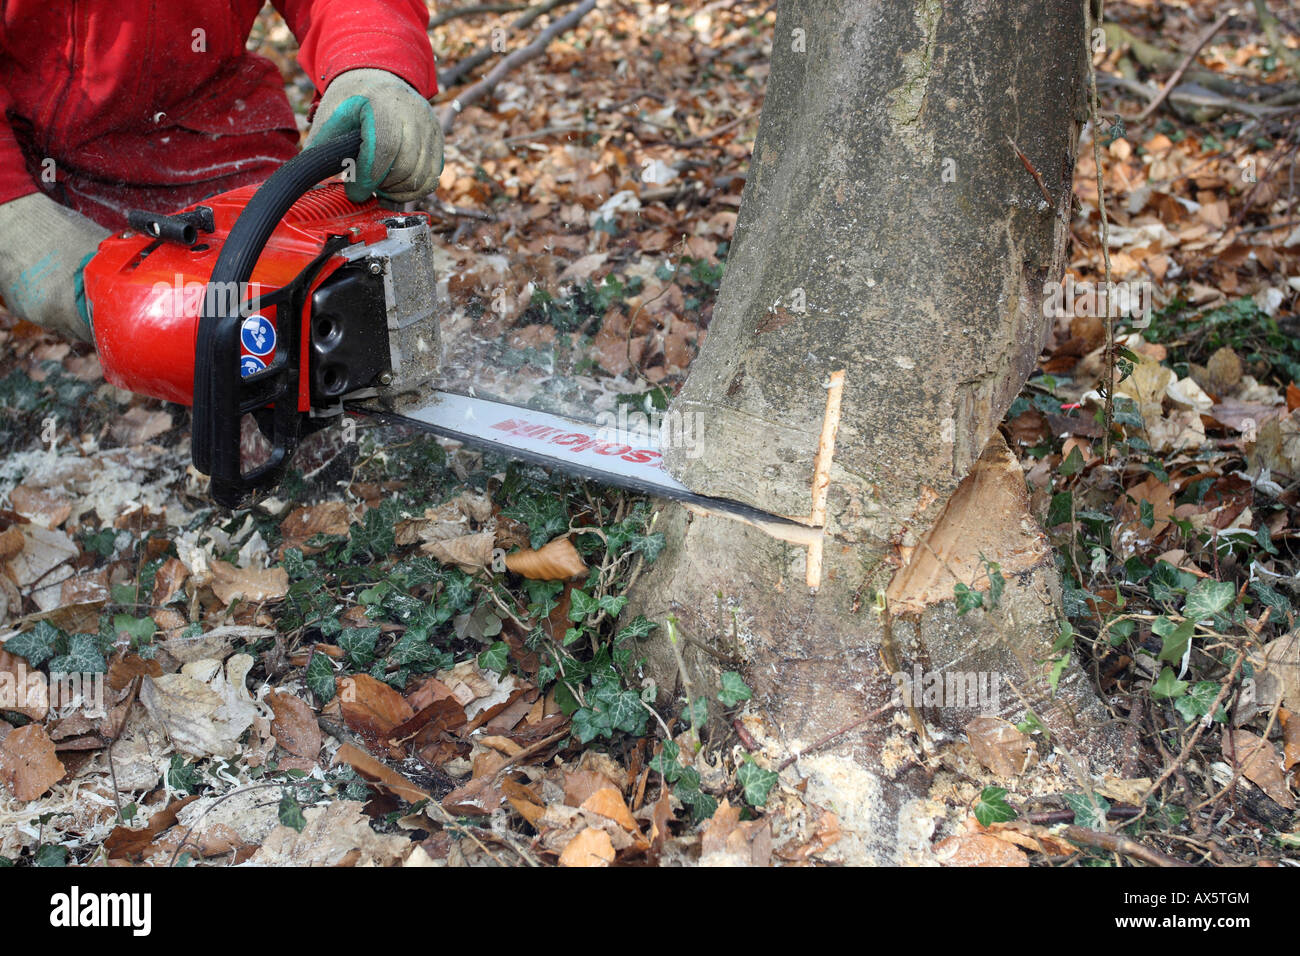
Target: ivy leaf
(613, 604)
(1058, 512)
(358, 645)
(997, 583)
(1175, 639)
(182, 776)
(666, 761)
(697, 714)
(581, 605)
(1073, 463)
(35, 645)
(545, 515)
(639, 628)
(992, 807)
(627, 714)
(1268, 596)
(734, 690)
(1208, 598)
(140, 629)
(755, 782)
(291, 812)
(967, 600)
(495, 658)
(83, 657)
(1085, 813)
(320, 677)
(51, 854)
(588, 724)
(1198, 700)
(1168, 685)
(649, 545)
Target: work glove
(401, 138)
(43, 248)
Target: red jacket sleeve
(14, 181)
(335, 36)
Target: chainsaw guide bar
(632, 461)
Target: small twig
(1200, 727)
(474, 10)
(1095, 109)
(1204, 38)
(1053, 817)
(1115, 843)
(1038, 177)
(712, 134)
(852, 725)
(535, 49)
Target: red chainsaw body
(145, 294)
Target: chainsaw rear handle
(221, 395)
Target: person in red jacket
(136, 104)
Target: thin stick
(522, 55)
(823, 741)
(1105, 243)
(474, 10)
(1115, 843)
(1205, 38)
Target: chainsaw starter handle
(218, 385)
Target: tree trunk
(881, 308)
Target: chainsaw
(290, 302)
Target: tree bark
(908, 197)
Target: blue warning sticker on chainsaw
(248, 364)
(258, 335)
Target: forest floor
(343, 673)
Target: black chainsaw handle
(219, 389)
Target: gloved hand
(401, 138)
(43, 248)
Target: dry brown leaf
(41, 506)
(168, 580)
(554, 561)
(248, 584)
(1261, 764)
(1277, 678)
(42, 551)
(470, 552)
(127, 843)
(1036, 839)
(205, 708)
(591, 847)
(336, 834)
(380, 773)
(294, 726)
(727, 841)
(28, 764)
(126, 669)
(1290, 738)
(371, 708)
(141, 424)
(999, 746)
(330, 517)
(609, 803)
(978, 849)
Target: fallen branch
(1115, 843)
(474, 10)
(455, 73)
(1204, 38)
(535, 49)
(1269, 24)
